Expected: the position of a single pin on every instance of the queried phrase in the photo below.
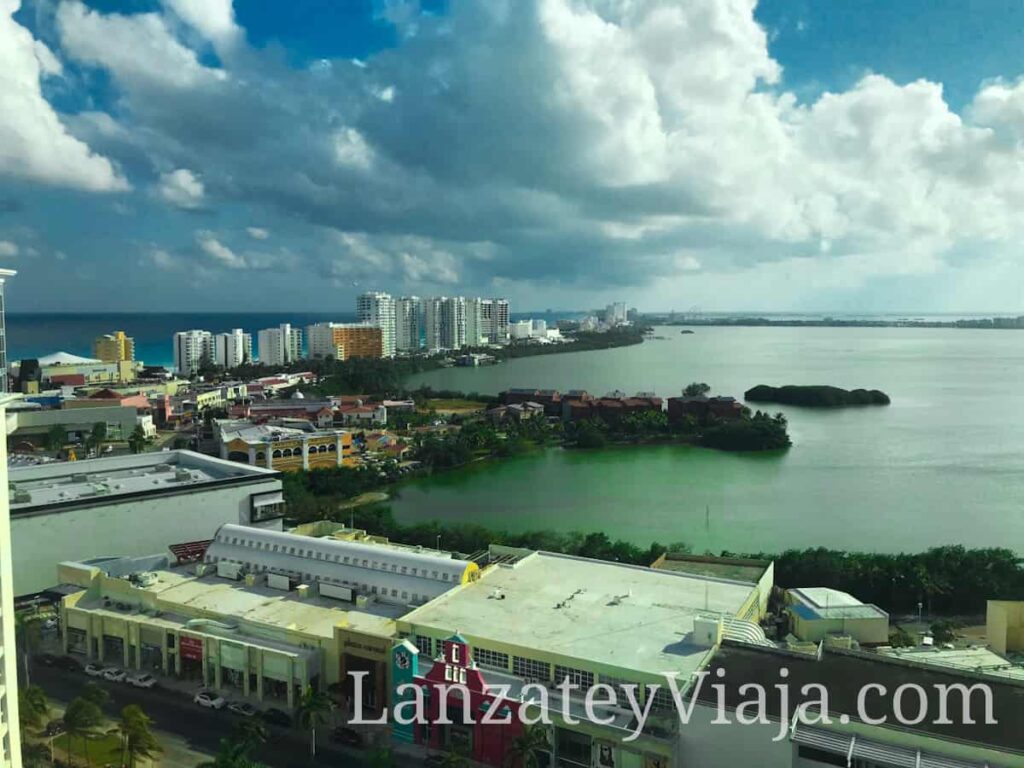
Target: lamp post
(438, 542)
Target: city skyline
(810, 160)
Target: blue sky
(788, 155)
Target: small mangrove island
(815, 396)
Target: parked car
(347, 736)
(46, 660)
(54, 728)
(67, 664)
(275, 716)
(145, 680)
(209, 700)
(94, 670)
(115, 675)
(243, 708)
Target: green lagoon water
(943, 464)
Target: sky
(787, 155)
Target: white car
(114, 675)
(209, 700)
(142, 681)
(94, 670)
(243, 708)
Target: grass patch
(102, 750)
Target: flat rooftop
(826, 603)
(116, 477)
(979, 660)
(630, 617)
(182, 595)
(735, 569)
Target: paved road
(201, 729)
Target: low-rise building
(286, 449)
(1004, 625)
(869, 722)
(363, 414)
(31, 425)
(263, 616)
(538, 617)
(818, 612)
(129, 505)
(701, 407)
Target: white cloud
(139, 49)
(257, 233)
(34, 144)
(8, 249)
(220, 253)
(576, 143)
(181, 188)
(161, 259)
(351, 149)
(214, 19)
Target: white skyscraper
(278, 346)
(9, 726)
(616, 313)
(477, 333)
(494, 320)
(409, 319)
(190, 347)
(453, 323)
(4, 274)
(233, 348)
(378, 309)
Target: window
(405, 595)
(820, 756)
(572, 748)
(345, 560)
(444, 576)
(538, 670)
(434, 574)
(413, 571)
(578, 677)
(425, 644)
(332, 448)
(485, 657)
(404, 569)
(394, 593)
(662, 699)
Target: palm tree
(82, 719)
(33, 707)
(137, 440)
(525, 748)
(249, 733)
(312, 711)
(96, 436)
(232, 754)
(138, 739)
(29, 634)
(56, 436)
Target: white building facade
(10, 740)
(279, 346)
(233, 348)
(409, 320)
(190, 348)
(375, 308)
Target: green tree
(56, 436)
(33, 707)
(34, 755)
(232, 754)
(82, 720)
(313, 710)
(526, 748)
(249, 733)
(696, 389)
(96, 694)
(381, 756)
(136, 735)
(137, 439)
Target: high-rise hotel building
(10, 740)
(375, 308)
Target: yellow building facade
(314, 450)
(114, 347)
(1004, 626)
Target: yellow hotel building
(285, 449)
